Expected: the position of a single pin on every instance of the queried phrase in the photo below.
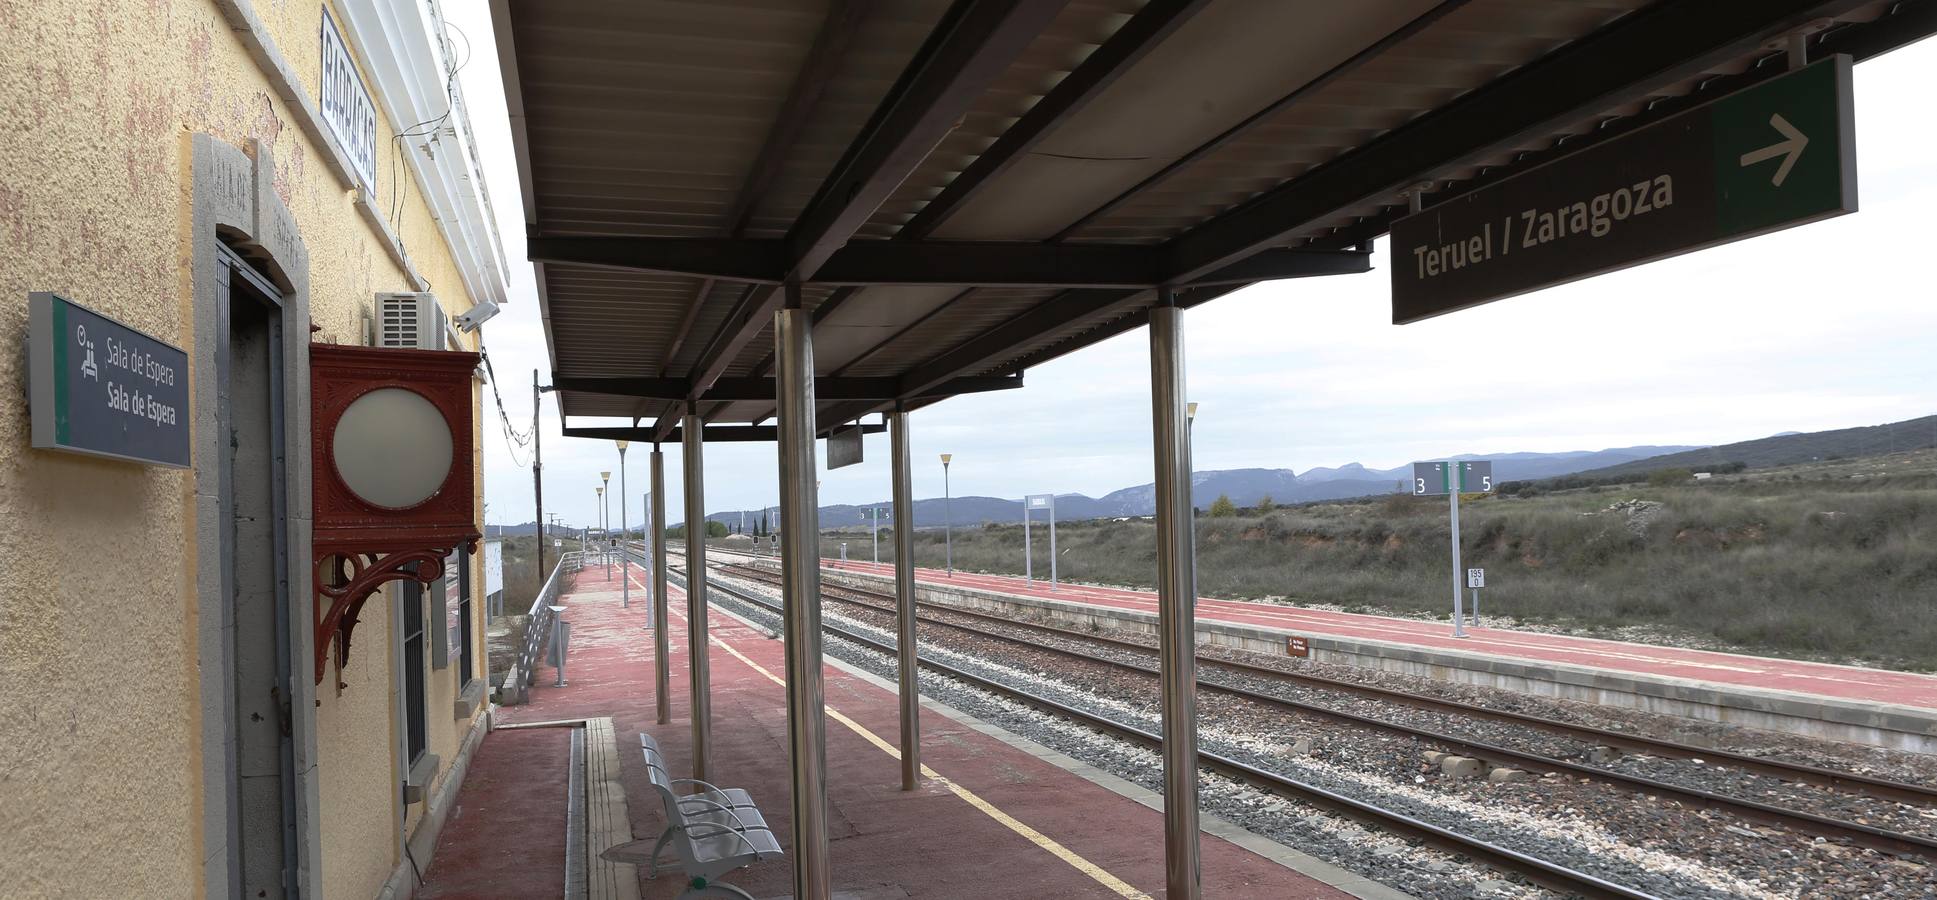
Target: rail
(1535, 869)
(1857, 832)
(1848, 782)
(538, 629)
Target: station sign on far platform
(1779, 154)
(1437, 479)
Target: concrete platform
(996, 819)
(1878, 707)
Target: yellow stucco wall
(99, 706)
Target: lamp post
(625, 577)
(948, 517)
(604, 508)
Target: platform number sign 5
(1476, 476)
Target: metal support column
(904, 537)
(1028, 549)
(1453, 477)
(662, 678)
(702, 704)
(801, 591)
(1176, 602)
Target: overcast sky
(1826, 326)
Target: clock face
(392, 448)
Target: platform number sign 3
(1429, 478)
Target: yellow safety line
(1010, 822)
(989, 809)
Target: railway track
(1849, 782)
(1539, 871)
(1858, 834)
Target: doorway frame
(236, 218)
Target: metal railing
(538, 630)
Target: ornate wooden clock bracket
(344, 582)
(393, 507)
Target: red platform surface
(1817, 679)
(506, 835)
(997, 823)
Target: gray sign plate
(844, 446)
(1476, 476)
(101, 388)
(1429, 478)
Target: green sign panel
(1773, 156)
(98, 387)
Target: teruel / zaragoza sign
(1776, 155)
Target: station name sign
(101, 388)
(1772, 156)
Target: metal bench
(712, 831)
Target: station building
(759, 221)
(180, 715)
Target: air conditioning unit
(411, 320)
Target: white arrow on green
(1790, 149)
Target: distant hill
(1246, 487)
(1790, 448)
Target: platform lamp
(625, 576)
(603, 507)
(948, 517)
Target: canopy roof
(962, 190)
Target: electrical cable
(418, 870)
(514, 439)
(398, 187)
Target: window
(450, 615)
(415, 736)
(459, 600)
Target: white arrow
(1790, 149)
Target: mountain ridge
(1248, 486)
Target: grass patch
(1834, 560)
